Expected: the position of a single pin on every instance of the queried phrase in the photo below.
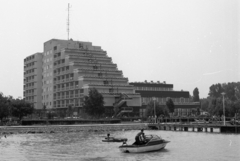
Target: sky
(187, 43)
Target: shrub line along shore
(70, 128)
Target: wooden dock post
(199, 129)
(211, 129)
(206, 129)
(174, 128)
(193, 128)
(185, 128)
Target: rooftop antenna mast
(68, 20)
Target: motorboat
(113, 139)
(151, 143)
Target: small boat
(112, 139)
(152, 143)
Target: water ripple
(88, 146)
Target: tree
(44, 109)
(21, 108)
(69, 110)
(216, 90)
(160, 110)
(195, 95)
(4, 110)
(170, 105)
(235, 108)
(93, 104)
(215, 107)
(231, 96)
(205, 104)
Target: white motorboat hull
(142, 148)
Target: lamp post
(154, 110)
(224, 123)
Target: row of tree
(93, 104)
(160, 110)
(214, 102)
(10, 107)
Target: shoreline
(70, 128)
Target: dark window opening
(105, 82)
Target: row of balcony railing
(59, 65)
(98, 69)
(110, 85)
(30, 94)
(30, 80)
(30, 73)
(66, 105)
(103, 71)
(92, 62)
(65, 88)
(68, 96)
(84, 57)
(56, 57)
(30, 87)
(108, 77)
(117, 93)
(71, 50)
(30, 66)
(61, 72)
(63, 80)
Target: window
(80, 45)
(105, 82)
(110, 90)
(55, 48)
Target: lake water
(88, 146)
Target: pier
(194, 127)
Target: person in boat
(140, 138)
(108, 137)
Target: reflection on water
(88, 146)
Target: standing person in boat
(108, 136)
(140, 137)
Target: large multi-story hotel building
(64, 72)
(68, 69)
